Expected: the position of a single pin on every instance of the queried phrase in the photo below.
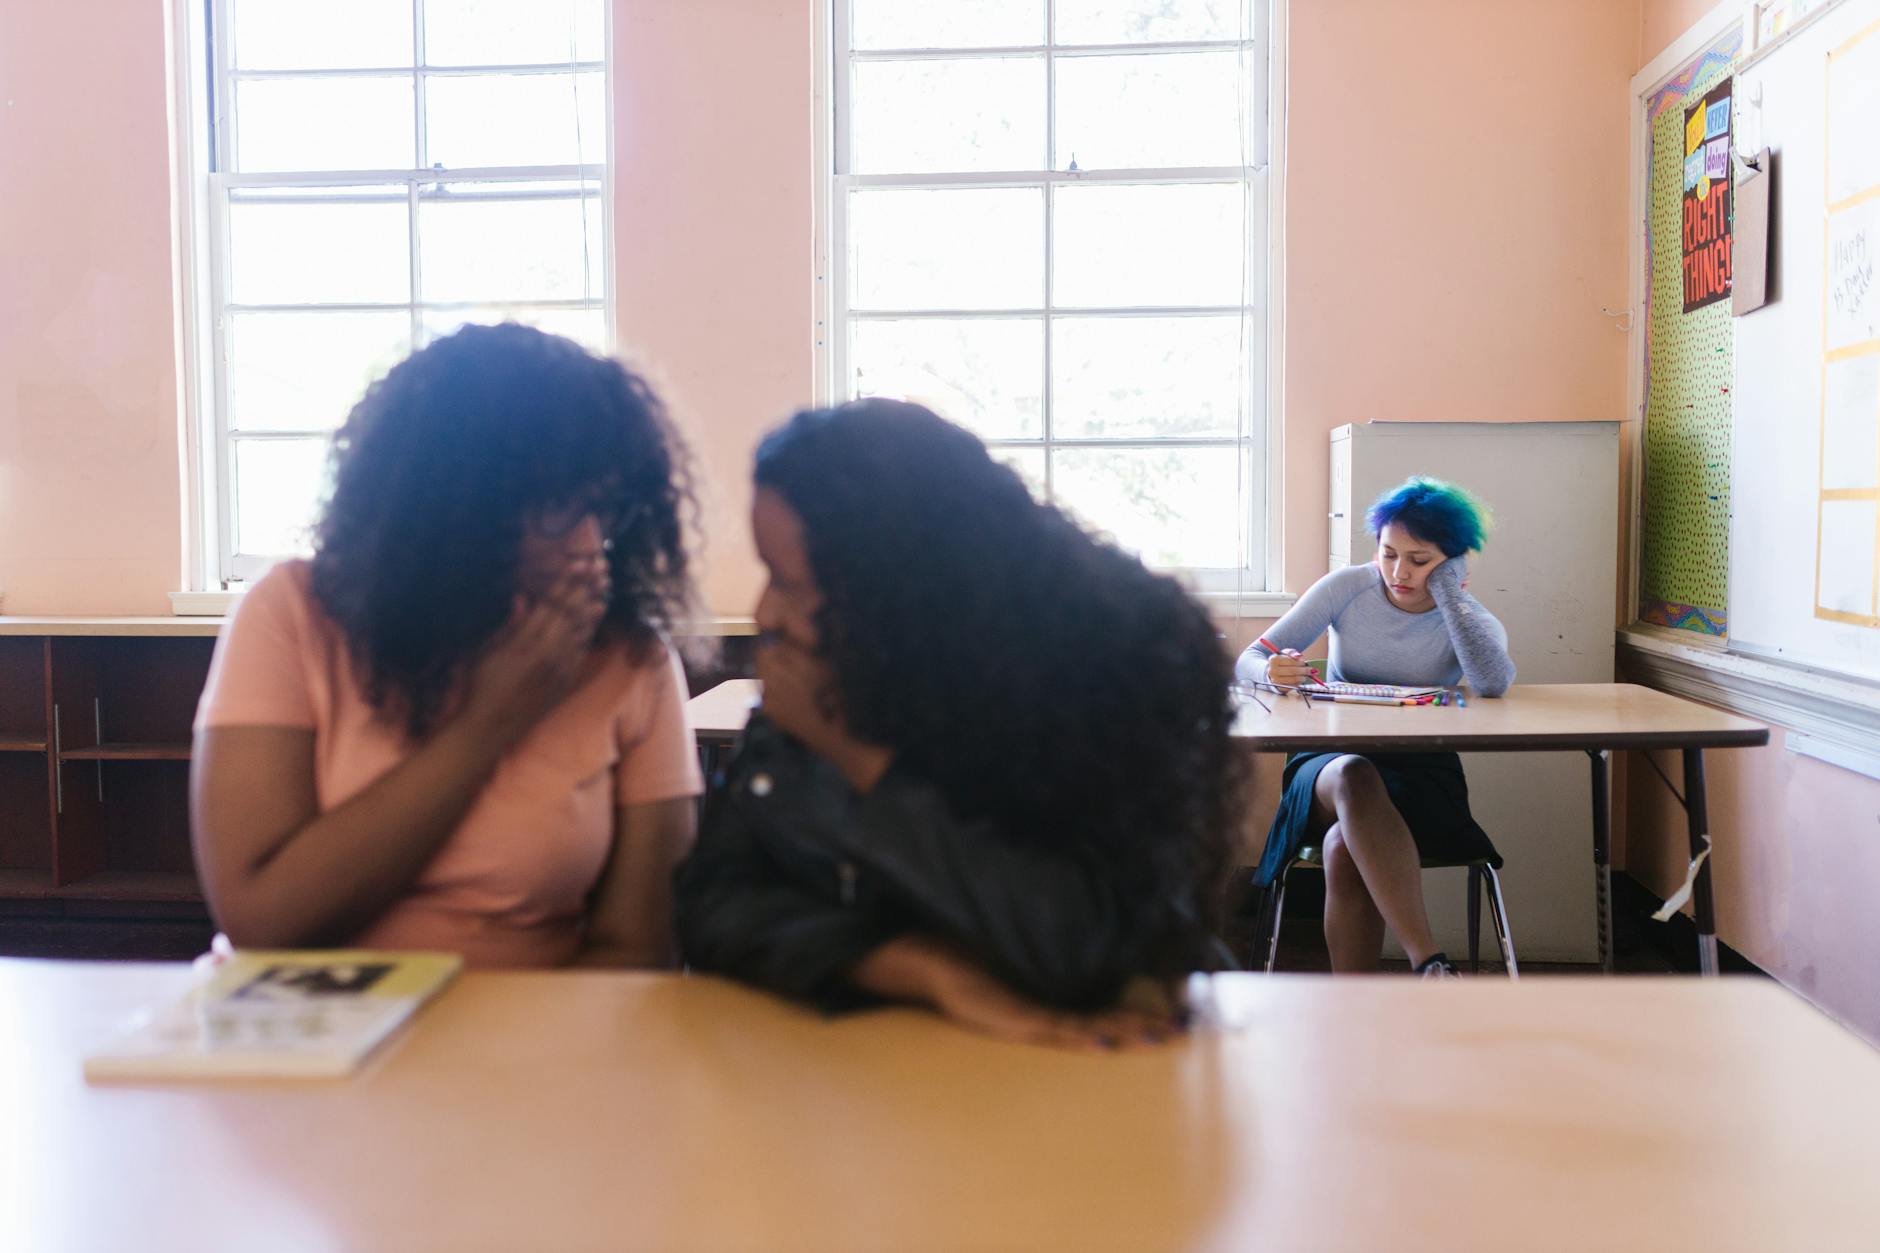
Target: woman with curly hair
(1406, 617)
(991, 773)
(460, 725)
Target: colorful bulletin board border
(1684, 548)
(1849, 252)
(1684, 617)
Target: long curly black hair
(1034, 674)
(438, 470)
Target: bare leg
(1374, 835)
(1354, 930)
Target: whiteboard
(1805, 438)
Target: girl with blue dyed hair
(1405, 618)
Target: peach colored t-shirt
(509, 886)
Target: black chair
(1274, 902)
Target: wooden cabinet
(94, 767)
(95, 717)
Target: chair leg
(1498, 909)
(1276, 904)
(1475, 920)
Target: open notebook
(277, 1015)
(1370, 693)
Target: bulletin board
(1684, 542)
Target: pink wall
(90, 502)
(1663, 21)
(1795, 872)
(1456, 189)
(714, 264)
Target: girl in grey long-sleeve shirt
(1405, 618)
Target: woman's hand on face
(537, 658)
(800, 697)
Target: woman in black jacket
(992, 771)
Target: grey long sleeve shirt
(1373, 641)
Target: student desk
(604, 1110)
(1594, 717)
(718, 716)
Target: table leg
(1602, 851)
(1698, 818)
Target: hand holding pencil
(1286, 668)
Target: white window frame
(1252, 590)
(205, 149)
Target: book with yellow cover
(277, 1015)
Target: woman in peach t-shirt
(460, 726)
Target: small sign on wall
(1707, 199)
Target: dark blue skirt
(1427, 788)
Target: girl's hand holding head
(1422, 526)
(1449, 578)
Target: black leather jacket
(795, 878)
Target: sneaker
(1437, 967)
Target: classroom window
(379, 173)
(1047, 221)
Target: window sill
(1827, 716)
(203, 604)
(1247, 604)
(221, 604)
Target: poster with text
(1707, 199)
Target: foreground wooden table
(606, 1111)
(1596, 718)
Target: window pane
(1176, 244)
(587, 327)
(985, 375)
(278, 484)
(328, 35)
(1029, 462)
(1151, 21)
(287, 252)
(1135, 378)
(917, 117)
(479, 120)
(979, 249)
(1171, 507)
(1159, 111)
(513, 32)
(305, 371)
(494, 251)
(324, 124)
(946, 23)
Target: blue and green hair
(1436, 512)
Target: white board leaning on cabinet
(1550, 573)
